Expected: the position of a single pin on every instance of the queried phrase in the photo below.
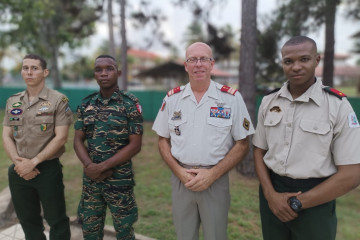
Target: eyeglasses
(194, 60)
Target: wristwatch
(295, 204)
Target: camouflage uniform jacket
(107, 124)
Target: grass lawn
(153, 195)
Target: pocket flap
(273, 118)
(177, 122)
(44, 119)
(219, 122)
(314, 126)
(17, 122)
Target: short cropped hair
(43, 63)
(106, 56)
(299, 40)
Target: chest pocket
(222, 125)
(117, 127)
(43, 125)
(272, 119)
(314, 127)
(177, 127)
(315, 136)
(89, 124)
(17, 127)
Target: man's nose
(296, 67)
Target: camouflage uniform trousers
(96, 196)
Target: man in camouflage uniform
(111, 123)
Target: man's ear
(46, 73)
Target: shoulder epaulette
(272, 91)
(334, 92)
(90, 96)
(173, 91)
(228, 89)
(16, 94)
(131, 96)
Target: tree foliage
(221, 39)
(43, 26)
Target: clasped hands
(26, 168)
(197, 180)
(279, 205)
(96, 172)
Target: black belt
(291, 182)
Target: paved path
(15, 232)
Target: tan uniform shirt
(34, 124)
(203, 133)
(309, 136)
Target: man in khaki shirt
(306, 152)
(35, 129)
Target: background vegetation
(153, 194)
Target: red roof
(142, 54)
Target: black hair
(299, 40)
(43, 63)
(106, 56)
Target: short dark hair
(43, 63)
(106, 56)
(299, 40)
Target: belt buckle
(195, 167)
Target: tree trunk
(54, 71)
(328, 70)
(247, 85)
(123, 46)
(111, 29)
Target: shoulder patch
(272, 91)
(334, 92)
(173, 91)
(228, 89)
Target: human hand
(105, 175)
(31, 175)
(202, 180)
(184, 176)
(93, 171)
(279, 205)
(24, 166)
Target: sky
(178, 19)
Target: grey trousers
(209, 207)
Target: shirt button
(282, 162)
(271, 122)
(289, 124)
(316, 128)
(287, 143)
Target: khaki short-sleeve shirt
(307, 137)
(203, 133)
(33, 125)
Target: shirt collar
(314, 93)
(44, 94)
(115, 96)
(210, 92)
